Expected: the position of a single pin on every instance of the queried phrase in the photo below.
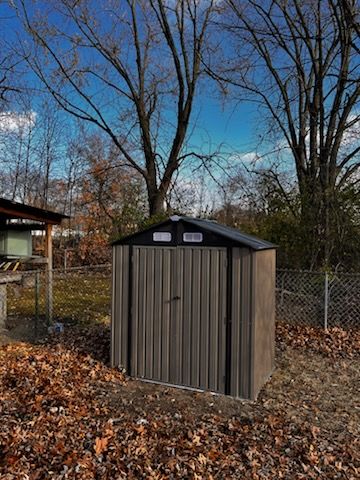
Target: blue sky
(232, 125)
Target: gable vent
(195, 237)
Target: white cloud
(243, 158)
(13, 122)
(352, 134)
(249, 157)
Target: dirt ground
(65, 414)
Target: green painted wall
(15, 243)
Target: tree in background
(32, 150)
(9, 84)
(265, 202)
(110, 200)
(299, 61)
(132, 68)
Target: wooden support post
(49, 274)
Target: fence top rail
(85, 268)
(330, 274)
(307, 272)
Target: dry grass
(77, 296)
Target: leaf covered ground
(64, 414)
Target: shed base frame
(190, 389)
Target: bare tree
(7, 87)
(299, 60)
(130, 67)
(8, 65)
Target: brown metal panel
(149, 314)
(118, 301)
(240, 323)
(264, 318)
(235, 321)
(187, 316)
(195, 282)
(168, 255)
(204, 318)
(176, 316)
(124, 306)
(178, 309)
(180, 312)
(135, 312)
(214, 321)
(114, 316)
(245, 363)
(143, 311)
(120, 306)
(158, 310)
(222, 304)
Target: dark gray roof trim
(228, 233)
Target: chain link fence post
(37, 295)
(326, 300)
(49, 296)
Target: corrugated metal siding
(241, 324)
(264, 318)
(120, 306)
(179, 307)
(178, 315)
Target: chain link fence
(83, 295)
(318, 299)
(33, 302)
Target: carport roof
(15, 210)
(231, 234)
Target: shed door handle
(176, 298)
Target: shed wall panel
(120, 306)
(188, 299)
(241, 295)
(133, 367)
(264, 318)
(195, 317)
(204, 318)
(114, 319)
(167, 314)
(158, 273)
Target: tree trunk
(156, 201)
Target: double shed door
(178, 316)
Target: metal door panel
(178, 315)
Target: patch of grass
(81, 297)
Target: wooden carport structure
(14, 215)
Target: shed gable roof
(227, 233)
(230, 233)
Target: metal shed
(193, 304)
